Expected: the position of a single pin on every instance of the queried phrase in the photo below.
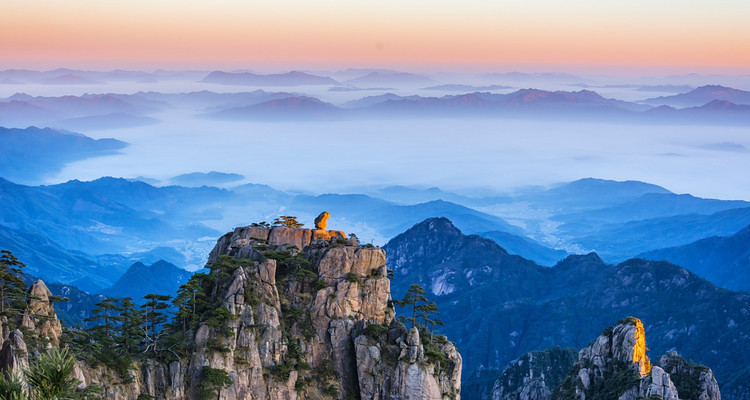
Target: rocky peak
(615, 365)
(334, 314)
(296, 313)
(534, 375)
(40, 316)
(38, 322)
(250, 241)
(692, 381)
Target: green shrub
(212, 382)
(331, 390)
(251, 296)
(305, 274)
(352, 277)
(319, 284)
(218, 319)
(375, 331)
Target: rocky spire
(614, 366)
(40, 317)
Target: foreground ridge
(294, 313)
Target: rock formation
(38, 321)
(692, 381)
(322, 220)
(41, 317)
(301, 314)
(534, 375)
(614, 366)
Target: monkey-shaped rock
(322, 221)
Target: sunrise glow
(234, 34)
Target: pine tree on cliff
(212, 382)
(12, 286)
(191, 298)
(131, 330)
(289, 221)
(154, 316)
(107, 316)
(421, 308)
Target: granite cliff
(614, 366)
(288, 314)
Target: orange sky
(230, 34)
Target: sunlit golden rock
(320, 234)
(639, 348)
(322, 220)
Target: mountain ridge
(510, 305)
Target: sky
(679, 35)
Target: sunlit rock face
(615, 366)
(322, 220)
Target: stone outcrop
(351, 293)
(40, 316)
(308, 316)
(243, 242)
(321, 221)
(394, 366)
(39, 320)
(534, 375)
(615, 366)
(692, 381)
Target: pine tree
(289, 221)
(107, 316)
(421, 308)
(191, 298)
(212, 382)
(12, 286)
(154, 315)
(131, 329)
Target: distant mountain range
(91, 104)
(103, 111)
(723, 260)
(466, 88)
(370, 100)
(70, 79)
(212, 101)
(65, 229)
(26, 155)
(213, 178)
(499, 306)
(525, 103)
(702, 96)
(111, 217)
(290, 108)
(89, 111)
(526, 247)
(66, 76)
(619, 241)
(106, 121)
(293, 78)
(376, 78)
(139, 280)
